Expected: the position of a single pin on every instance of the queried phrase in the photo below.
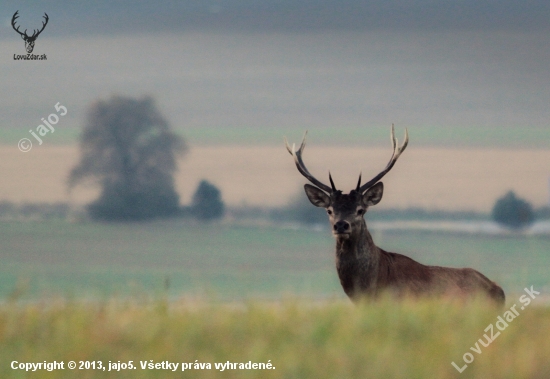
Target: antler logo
(29, 40)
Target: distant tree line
(509, 211)
(41, 211)
(293, 212)
(130, 151)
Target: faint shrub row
(10, 210)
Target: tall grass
(301, 339)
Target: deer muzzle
(341, 228)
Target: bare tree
(365, 269)
(130, 151)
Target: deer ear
(373, 195)
(317, 197)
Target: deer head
(345, 211)
(29, 40)
(367, 270)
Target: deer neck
(357, 261)
(359, 244)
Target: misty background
(468, 73)
(469, 79)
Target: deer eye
(329, 211)
(360, 212)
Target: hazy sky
(283, 64)
(105, 16)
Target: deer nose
(341, 226)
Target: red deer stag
(365, 269)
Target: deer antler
(396, 153)
(37, 33)
(15, 17)
(302, 168)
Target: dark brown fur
(365, 269)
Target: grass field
(385, 339)
(101, 259)
(233, 262)
(178, 292)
